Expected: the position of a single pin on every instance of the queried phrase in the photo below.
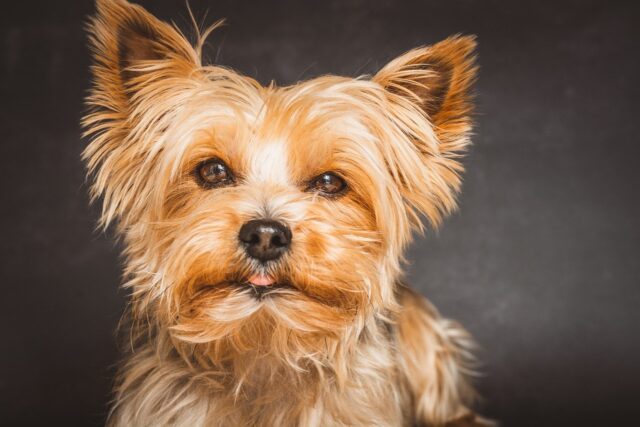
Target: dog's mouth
(260, 285)
(260, 292)
(261, 280)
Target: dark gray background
(541, 262)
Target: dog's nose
(265, 240)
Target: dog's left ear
(435, 83)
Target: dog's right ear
(131, 46)
(140, 63)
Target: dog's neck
(256, 382)
(269, 364)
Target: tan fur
(434, 355)
(343, 344)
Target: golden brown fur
(343, 343)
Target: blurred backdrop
(541, 263)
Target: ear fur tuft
(126, 40)
(435, 82)
(437, 78)
(134, 52)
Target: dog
(264, 230)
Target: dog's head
(248, 210)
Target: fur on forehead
(152, 98)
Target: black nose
(265, 240)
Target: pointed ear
(428, 90)
(135, 54)
(129, 43)
(437, 79)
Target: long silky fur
(344, 344)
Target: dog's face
(246, 209)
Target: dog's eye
(328, 183)
(213, 173)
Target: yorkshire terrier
(264, 231)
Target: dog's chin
(232, 309)
(239, 300)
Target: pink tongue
(261, 280)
